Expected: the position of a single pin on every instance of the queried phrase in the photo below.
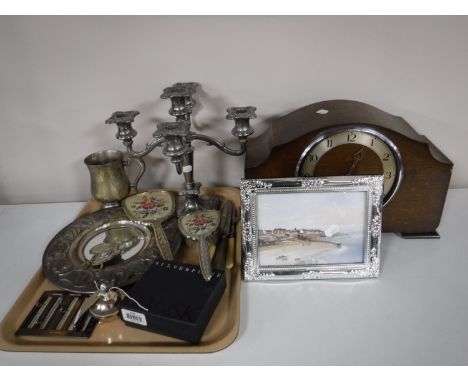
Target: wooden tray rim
(61, 345)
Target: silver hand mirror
(201, 226)
(152, 208)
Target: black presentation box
(180, 302)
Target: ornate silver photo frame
(311, 228)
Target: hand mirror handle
(205, 260)
(162, 241)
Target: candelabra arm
(149, 147)
(221, 145)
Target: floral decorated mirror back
(201, 223)
(150, 205)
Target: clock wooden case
(342, 137)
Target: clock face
(353, 151)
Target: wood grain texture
(418, 204)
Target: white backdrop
(61, 77)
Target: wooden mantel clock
(343, 137)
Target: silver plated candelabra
(175, 139)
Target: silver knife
(51, 312)
(231, 255)
(87, 303)
(41, 310)
(67, 314)
(219, 258)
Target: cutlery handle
(205, 261)
(219, 258)
(231, 253)
(162, 242)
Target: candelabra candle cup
(241, 117)
(123, 120)
(109, 180)
(182, 102)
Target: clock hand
(357, 157)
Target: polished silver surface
(104, 306)
(176, 138)
(103, 247)
(252, 188)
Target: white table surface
(415, 313)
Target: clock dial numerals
(312, 158)
(352, 137)
(360, 141)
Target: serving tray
(113, 335)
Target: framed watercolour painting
(311, 228)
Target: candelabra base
(187, 203)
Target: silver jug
(109, 180)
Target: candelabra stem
(187, 169)
(191, 188)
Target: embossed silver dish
(103, 247)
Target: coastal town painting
(311, 228)
(300, 230)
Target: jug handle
(142, 165)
